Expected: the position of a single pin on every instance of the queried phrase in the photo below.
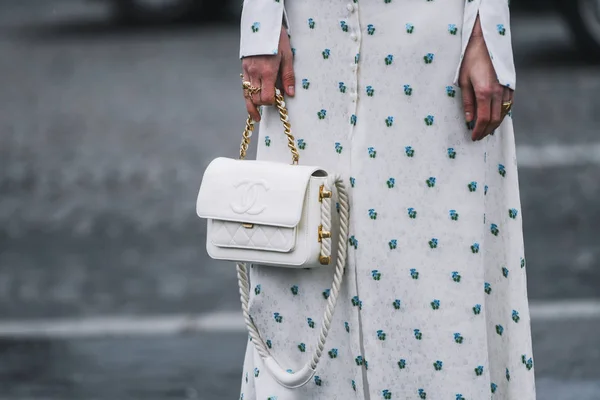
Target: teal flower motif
(458, 338)
(256, 372)
(376, 275)
(333, 353)
(305, 83)
(412, 213)
(422, 394)
(501, 170)
(456, 276)
(311, 23)
(505, 272)
(402, 363)
(389, 121)
(326, 54)
(390, 182)
(428, 58)
(487, 288)
(389, 59)
(278, 317)
(302, 347)
(479, 370)
(294, 289)
(301, 144)
(310, 322)
(430, 181)
(477, 309)
(450, 91)
(410, 28)
(515, 316)
(499, 329)
(429, 120)
(267, 141)
(507, 374)
(326, 293)
(472, 186)
(321, 114)
(522, 262)
(396, 304)
(370, 91)
(352, 181)
(338, 147)
(380, 335)
(501, 29)
(347, 327)
(372, 213)
(269, 343)
(493, 387)
(386, 394)
(475, 248)
(318, 381)
(255, 27)
(393, 244)
(370, 29)
(359, 360)
(269, 398)
(353, 385)
(356, 58)
(257, 290)
(342, 87)
(435, 304)
(356, 302)
(485, 190)
(414, 273)
(494, 229)
(353, 242)
(344, 26)
(433, 243)
(408, 90)
(372, 152)
(459, 397)
(453, 215)
(418, 334)
(353, 119)
(438, 365)
(409, 151)
(527, 362)
(512, 213)
(452, 29)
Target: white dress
(434, 301)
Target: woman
(410, 101)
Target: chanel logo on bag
(249, 197)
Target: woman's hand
(482, 94)
(262, 71)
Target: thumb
(468, 97)
(288, 78)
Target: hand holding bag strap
(300, 378)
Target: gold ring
(249, 90)
(506, 106)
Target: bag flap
(254, 191)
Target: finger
(484, 113)
(496, 111)
(267, 89)
(468, 97)
(250, 106)
(288, 78)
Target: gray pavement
(104, 133)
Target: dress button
(350, 7)
(353, 36)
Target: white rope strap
(293, 380)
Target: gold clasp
(324, 194)
(248, 226)
(323, 234)
(324, 260)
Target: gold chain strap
(287, 129)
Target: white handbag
(270, 213)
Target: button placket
(355, 36)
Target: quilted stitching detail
(260, 237)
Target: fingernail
(468, 116)
(291, 90)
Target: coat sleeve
(261, 27)
(494, 17)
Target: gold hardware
(324, 260)
(324, 194)
(323, 234)
(248, 226)
(287, 129)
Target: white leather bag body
(269, 213)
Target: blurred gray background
(105, 128)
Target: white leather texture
(258, 237)
(251, 191)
